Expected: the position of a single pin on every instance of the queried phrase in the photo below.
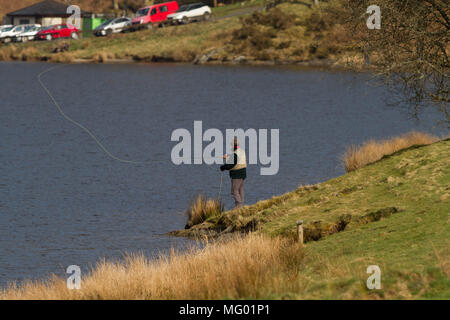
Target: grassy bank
(180, 44)
(393, 213)
(291, 33)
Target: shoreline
(223, 226)
(316, 64)
(244, 38)
(375, 228)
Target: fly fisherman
(237, 164)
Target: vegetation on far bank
(392, 213)
(179, 44)
(289, 33)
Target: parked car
(29, 34)
(154, 15)
(190, 12)
(112, 26)
(5, 27)
(58, 31)
(10, 33)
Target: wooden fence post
(300, 231)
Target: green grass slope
(393, 213)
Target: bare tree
(410, 50)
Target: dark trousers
(237, 190)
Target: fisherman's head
(235, 143)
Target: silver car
(112, 26)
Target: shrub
(316, 22)
(261, 40)
(253, 37)
(284, 45)
(275, 18)
(358, 156)
(201, 209)
(258, 30)
(323, 51)
(263, 55)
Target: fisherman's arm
(229, 166)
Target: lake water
(63, 201)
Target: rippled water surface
(63, 201)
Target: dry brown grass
(251, 267)
(62, 57)
(7, 52)
(201, 209)
(358, 156)
(102, 57)
(19, 53)
(29, 53)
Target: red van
(154, 15)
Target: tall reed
(201, 209)
(356, 157)
(254, 266)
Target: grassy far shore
(235, 8)
(290, 33)
(393, 213)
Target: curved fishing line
(60, 110)
(77, 123)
